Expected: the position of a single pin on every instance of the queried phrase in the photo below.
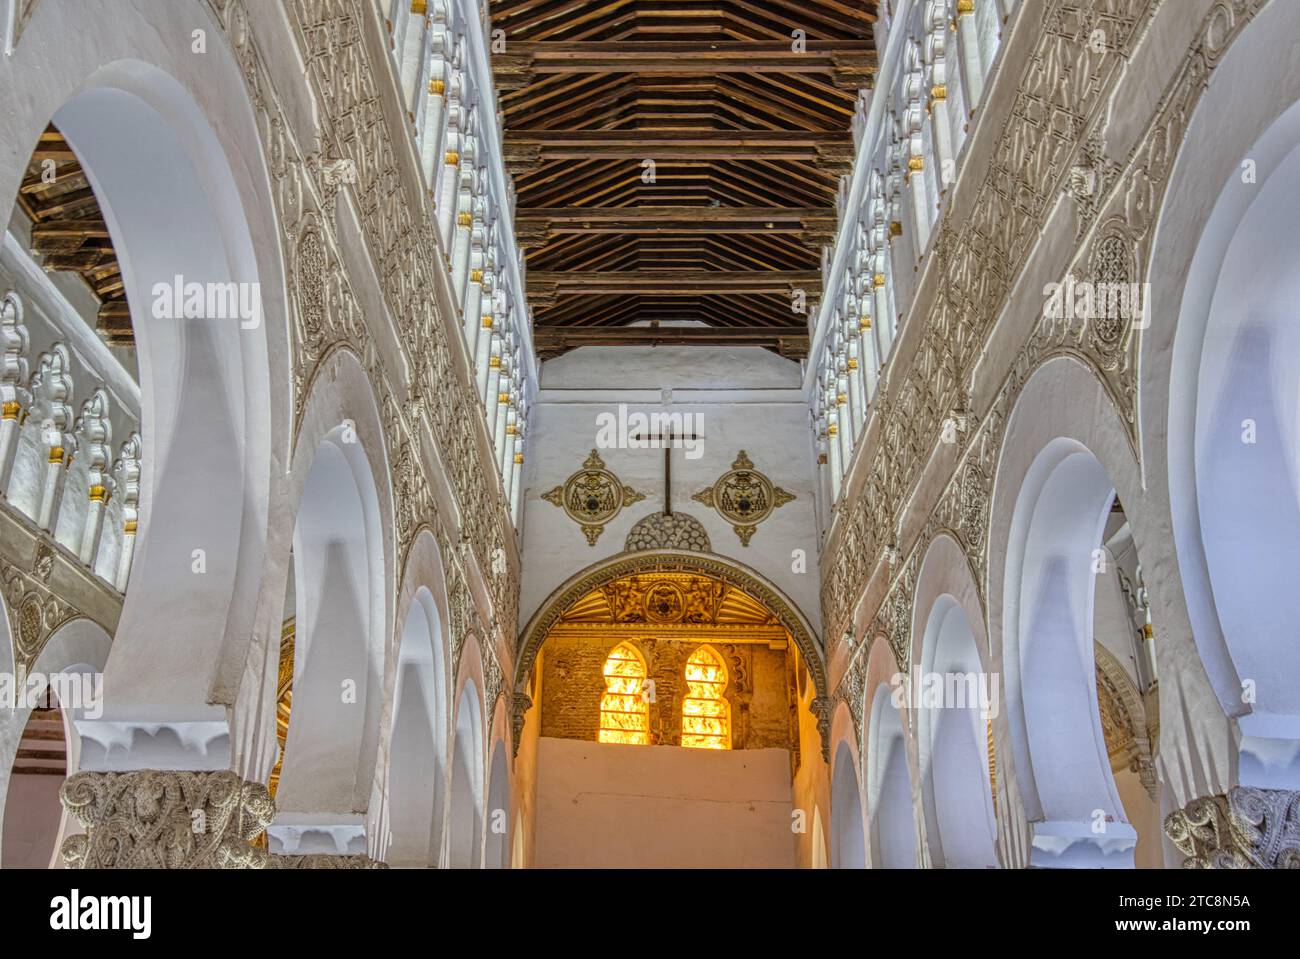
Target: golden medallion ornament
(664, 602)
(592, 497)
(744, 497)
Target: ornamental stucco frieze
(1051, 146)
(355, 152)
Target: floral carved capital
(1248, 828)
(165, 819)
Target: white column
(516, 478)
(972, 68)
(449, 176)
(493, 378)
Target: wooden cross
(667, 442)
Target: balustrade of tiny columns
(910, 153)
(59, 465)
(449, 101)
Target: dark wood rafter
(42, 750)
(748, 135)
(69, 234)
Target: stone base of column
(1248, 828)
(166, 819)
(322, 861)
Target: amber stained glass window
(624, 711)
(706, 714)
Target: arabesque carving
(1248, 828)
(165, 819)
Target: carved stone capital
(1249, 828)
(519, 707)
(165, 819)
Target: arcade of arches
(545, 433)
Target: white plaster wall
(606, 806)
(743, 398)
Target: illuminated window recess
(706, 714)
(624, 711)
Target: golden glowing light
(624, 711)
(706, 714)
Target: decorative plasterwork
(1248, 828)
(1124, 724)
(668, 531)
(592, 497)
(48, 591)
(35, 611)
(152, 819)
(1055, 128)
(355, 152)
(743, 497)
(650, 566)
(672, 607)
(283, 699)
(851, 690)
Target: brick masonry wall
(759, 688)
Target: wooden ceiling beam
(530, 147)
(671, 282)
(570, 215)
(674, 221)
(791, 341)
(713, 93)
(525, 62)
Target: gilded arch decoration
(670, 561)
(1130, 723)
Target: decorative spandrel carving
(668, 531)
(152, 819)
(744, 497)
(355, 151)
(36, 610)
(493, 681)
(1049, 144)
(1124, 724)
(851, 691)
(592, 497)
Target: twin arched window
(625, 707)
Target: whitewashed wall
(740, 397)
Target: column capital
(1246, 828)
(167, 819)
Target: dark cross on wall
(666, 441)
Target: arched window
(624, 711)
(706, 714)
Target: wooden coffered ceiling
(69, 232)
(747, 135)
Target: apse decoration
(634, 600)
(592, 497)
(744, 497)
